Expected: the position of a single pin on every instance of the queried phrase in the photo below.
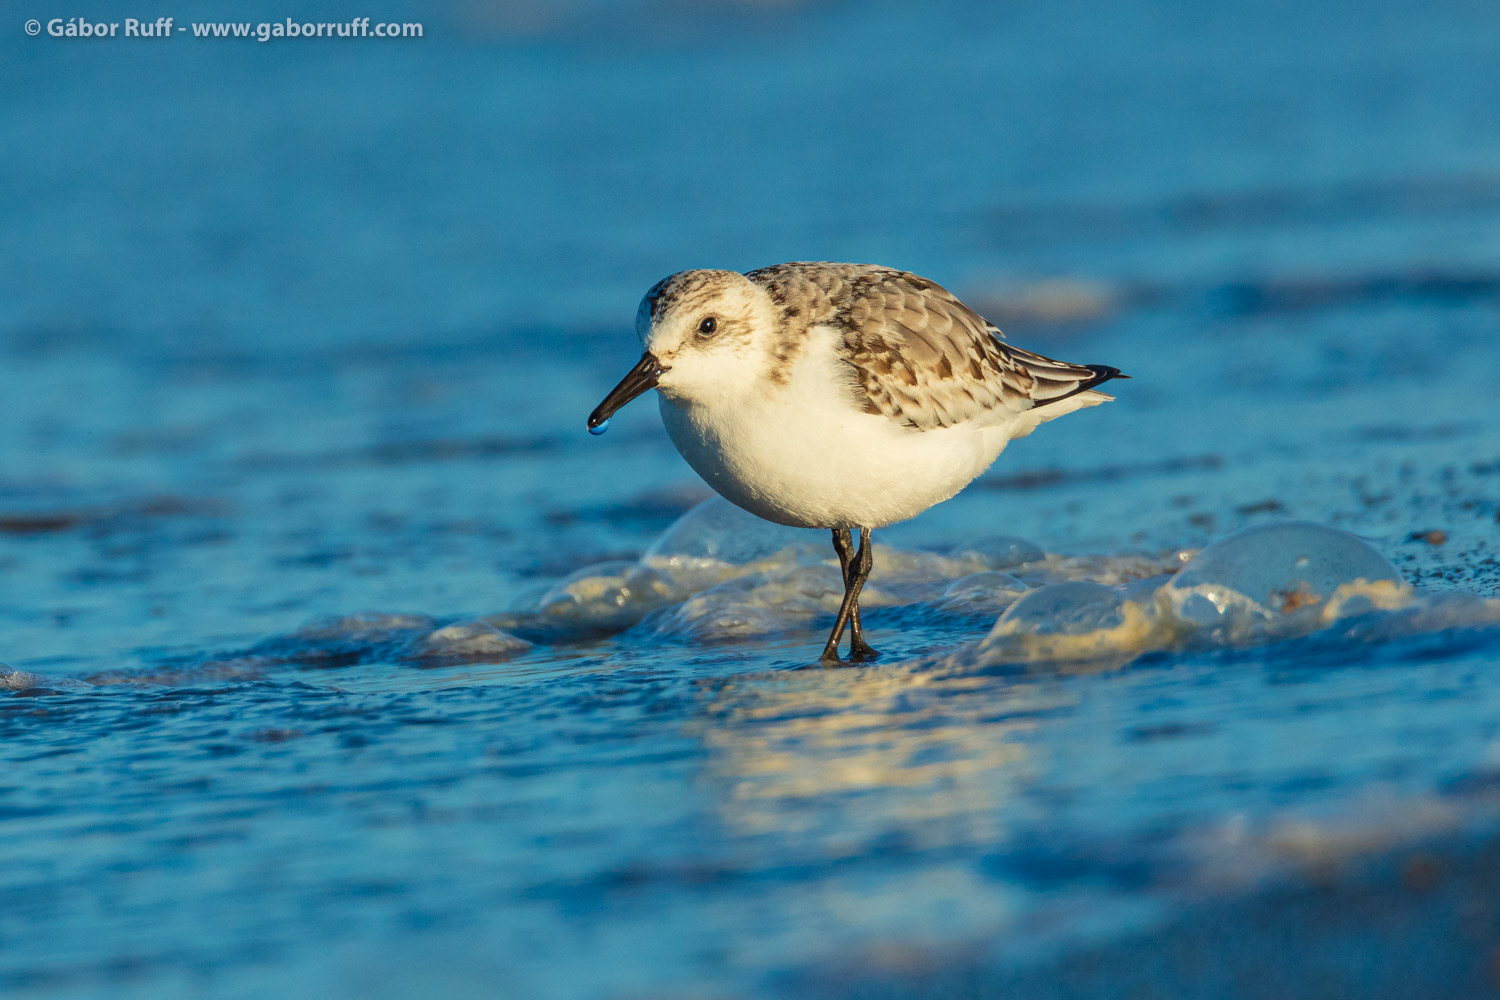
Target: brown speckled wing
(918, 355)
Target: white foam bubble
(1074, 621)
(470, 641)
(1279, 578)
(1000, 551)
(607, 597)
(988, 590)
(19, 680)
(756, 605)
(716, 534)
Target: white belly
(804, 455)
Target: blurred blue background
(310, 327)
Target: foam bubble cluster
(395, 638)
(1259, 585)
(719, 574)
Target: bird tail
(1060, 380)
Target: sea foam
(721, 575)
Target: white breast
(806, 455)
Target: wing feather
(917, 354)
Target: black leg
(848, 562)
(856, 569)
(844, 546)
(859, 650)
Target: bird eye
(707, 326)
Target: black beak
(636, 381)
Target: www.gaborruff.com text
(264, 31)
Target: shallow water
(317, 686)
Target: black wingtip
(1102, 374)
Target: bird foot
(860, 652)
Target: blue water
(301, 331)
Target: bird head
(702, 331)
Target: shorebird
(838, 396)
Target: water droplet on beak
(603, 426)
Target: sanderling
(839, 396)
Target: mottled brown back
(918, 354)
